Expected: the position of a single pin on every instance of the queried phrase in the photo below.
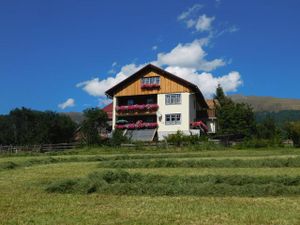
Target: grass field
(139, 196)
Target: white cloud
(206, 82)
(104, 101)
(204, 23)
(185, 60)
(70, 102)
(190, 55)
(189, 12)
(97, 87)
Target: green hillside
(269, 104)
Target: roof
(110, 93)
(108, 109)
(212, 103)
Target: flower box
(137, 108)
(150, 86)
(138, 125)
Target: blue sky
(54, 51)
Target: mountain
(268, 104)
(77, 117)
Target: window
(173, 99)
(150, 100)
(150, 80)
(130, 102)
(173, 119)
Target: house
(108, 109)
(209, 117)
(153, 103)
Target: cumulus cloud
(207, 82)
(70, 102)
(185, 60)
(97, 87)
(190, 55)
(104, 101)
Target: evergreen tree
(234, 118)
(95, 120)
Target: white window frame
(173, 99)
(173, 119)
(151, 80)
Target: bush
(259, 143)
(179, 139)
(293, 132)
(118, 138)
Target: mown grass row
(124, 183)
(205, 163)
(158, 161)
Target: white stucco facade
(186, 109)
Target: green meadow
(147, 186)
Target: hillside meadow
(146, 186)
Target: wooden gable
(167, 85)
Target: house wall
(193, 107)
(166, 86)
(183, 109)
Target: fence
(37, 148)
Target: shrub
(118, 138)
(293, 132)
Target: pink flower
(149, 86)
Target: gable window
(151, 80)
(173, 99)
(173, 119)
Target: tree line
(23, 126)
(238, 120)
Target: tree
(95, 121)
(234, 118)
(293, 132)
(267, 129)
(221, 97)
(25, 126)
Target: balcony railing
(137, 108)
(134, 126)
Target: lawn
(24, 198)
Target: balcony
(137, 125)
(143, 109)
